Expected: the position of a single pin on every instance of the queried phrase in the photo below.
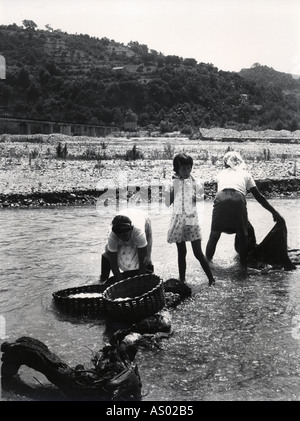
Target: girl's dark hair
(181, 159)
(120, 224)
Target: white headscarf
(234, 160)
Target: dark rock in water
(156, 323)
(153, 324)
(294, 255)
(172, 299)
(177, 287)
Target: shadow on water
(237, 340)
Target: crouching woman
(128, 248)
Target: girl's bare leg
(181, 249)
(196, 245)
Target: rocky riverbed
(31, 174)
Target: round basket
(72, 300)
(134, 299)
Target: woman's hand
(277, 217)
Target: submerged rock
(177, 287)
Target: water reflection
(234, 341)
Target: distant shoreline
(269, 187)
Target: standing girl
(184, 226)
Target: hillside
(265, 75)
(52, 75)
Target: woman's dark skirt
(229, 212)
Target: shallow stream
(238, 340)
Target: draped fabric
(272, 250)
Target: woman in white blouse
(230, 208)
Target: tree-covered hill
(52, 75)
(267, 76)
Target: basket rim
(138, 296)
(64, 293)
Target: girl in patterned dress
(184, 225)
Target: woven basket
(134, 299)
(91, 307)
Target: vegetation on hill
(267, 76)
(53, 75)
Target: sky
(230, 34)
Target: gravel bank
(31, 175)
(270, 188)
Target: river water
(238, 340)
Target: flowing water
(238, 340)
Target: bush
(133, 154)
(186, 129)
(168, 151)
(61, 152)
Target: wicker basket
(134, 299)
(81, 306)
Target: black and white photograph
(149, 203)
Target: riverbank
(270, 188)
(33, 175)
